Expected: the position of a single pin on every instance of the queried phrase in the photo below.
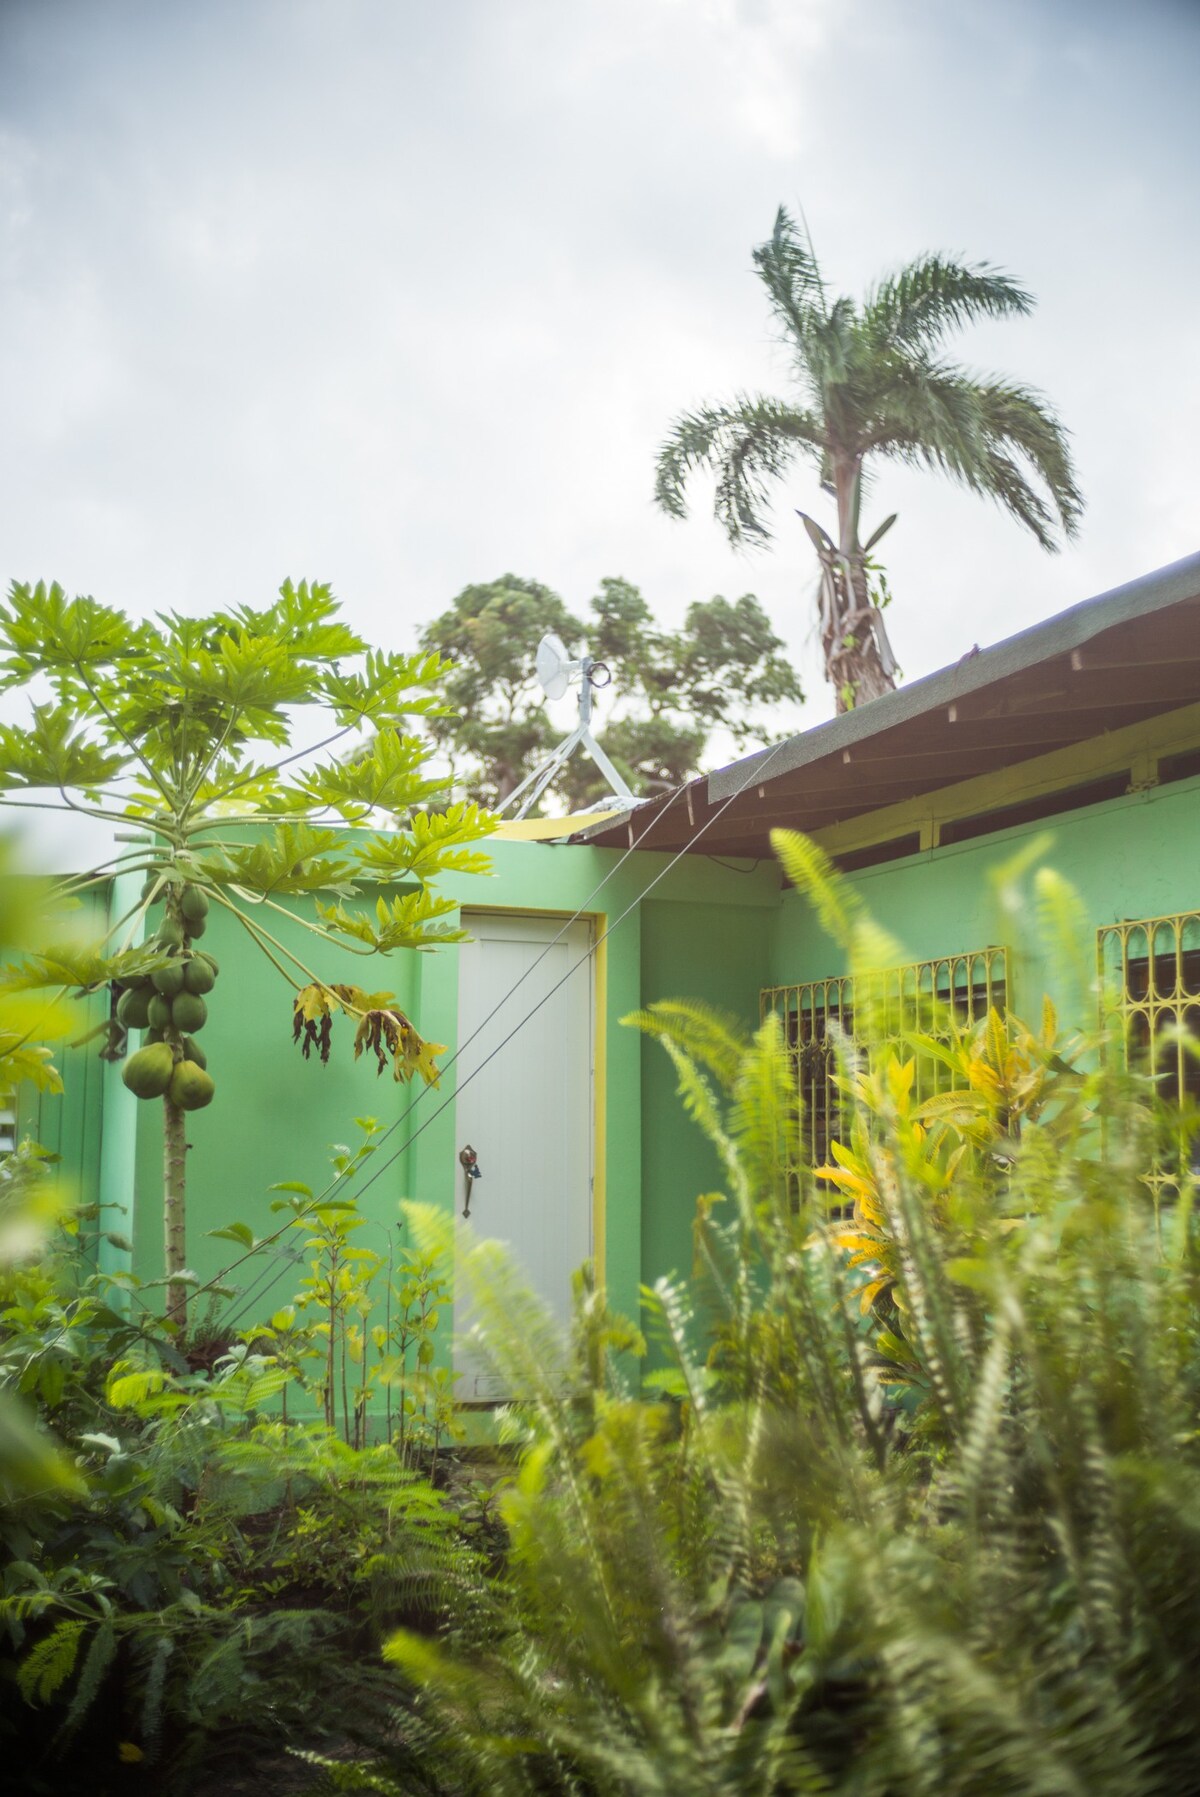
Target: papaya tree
(183, 732)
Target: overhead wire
(582, 911)
(756, 775)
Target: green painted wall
(720, 953)
(703, 932)
(701, 929)
(1137, 856)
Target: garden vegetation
(897, 1494)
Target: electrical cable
(500, 1003)
(757, 775)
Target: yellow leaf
(312, 1002)
(870, 1293)
(426, 1062)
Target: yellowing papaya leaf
(382, 1029)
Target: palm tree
(872, 382)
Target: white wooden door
(527, 1111)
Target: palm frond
(987, 435)
(915, 308)
(748, 445)
(787, 268)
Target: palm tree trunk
(853, 664)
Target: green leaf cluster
(195, 1575)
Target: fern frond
(48, 1665)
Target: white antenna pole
(555, 672)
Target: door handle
(469, 1162)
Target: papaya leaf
(432, 844)
(255, 675)
(386, 689)
(81, 968)
(47, 633)
(304, 617)
(408, 922)
(385, 777)
(293, 858)
(54, 752)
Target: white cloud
(405, 296)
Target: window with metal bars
(911, 1000)
(1150, 983)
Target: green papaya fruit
(153, 1036)
(148, 1072)
(195, 927)
(169, 980)
(193, 904)
(212, 961)
(191, 1088)
(158, 1012)
(170, 935)
(148, 892)
(133, 1009)
(188, 1012)
(192, 1051)
(198, 976)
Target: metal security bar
(905, 1001)
(1150, 982)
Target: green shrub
(189, 1577)
(913, 1508)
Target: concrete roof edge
(1057, 635)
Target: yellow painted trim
(600, 1096)
(1138, 747)
(545, 829)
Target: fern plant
(909, 1507)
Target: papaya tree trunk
(174, 1215)
(853, 664)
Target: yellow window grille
(1150, 983)
(907, 1000)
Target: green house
(1085, 727)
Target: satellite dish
(556, 672)
(554, 666)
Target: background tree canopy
(671, 689)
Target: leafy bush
(907, 1500)
(912, 1507)
(190, 1577)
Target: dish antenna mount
(556, 672)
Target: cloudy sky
(405, 295)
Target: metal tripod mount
(534, 785)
